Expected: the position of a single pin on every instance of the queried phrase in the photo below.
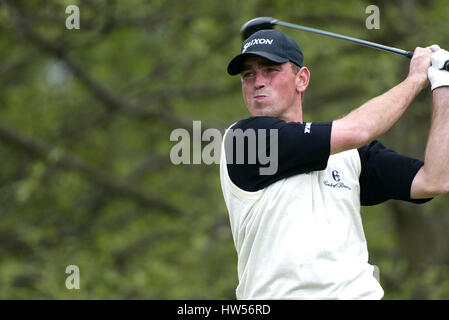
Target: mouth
(260, 97)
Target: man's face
(269, 88)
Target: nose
(259, 81)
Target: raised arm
(379, 114)
(433, 178)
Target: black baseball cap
(271, 44)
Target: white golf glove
(438, 78)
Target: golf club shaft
(408, 54)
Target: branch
(105, 95)
(120, 257)
(64, 160)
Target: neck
(293, 115)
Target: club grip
(445, 66)
(409, 54)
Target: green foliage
(86, 117)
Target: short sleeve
(386, 175)
(292, 147)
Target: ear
(302, 79)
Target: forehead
(253, 60)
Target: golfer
(298, 232)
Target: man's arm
(379, 114)
(433, 178)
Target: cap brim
(235, 66)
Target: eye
(247, 74)
(271, 69)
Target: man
(298, 232)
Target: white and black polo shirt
(298, 232)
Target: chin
(263, 113)
(261, 109)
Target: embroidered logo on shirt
(307, 127)
(337, 183)
(336, 175)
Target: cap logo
(256, 41)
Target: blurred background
(85, 120)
